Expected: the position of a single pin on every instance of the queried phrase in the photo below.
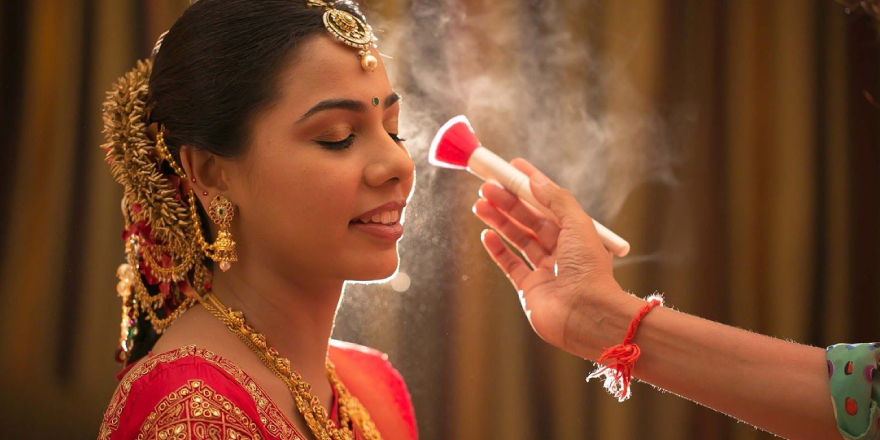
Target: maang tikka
(351, 30)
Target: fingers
(525, 166)
(567, 210)
(544, 228)
(556, 198)
(513, 266)
(522, 238)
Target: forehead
(325, 68)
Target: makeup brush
(456, 146)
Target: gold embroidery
(271, 417)
(197, 411)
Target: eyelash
(346, 143)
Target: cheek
(326, 196)
(301, 205)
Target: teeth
(387, 217)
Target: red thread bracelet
(622, 357)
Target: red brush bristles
(453, 144)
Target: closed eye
(396, 137)
(347, 142)
(338, 145)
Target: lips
(378, 230)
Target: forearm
(778, 386)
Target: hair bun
(160, 231)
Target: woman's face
(325, 154)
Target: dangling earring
(221, 212)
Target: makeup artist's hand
(569, 271)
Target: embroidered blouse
(192, 393)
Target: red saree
(191, 393)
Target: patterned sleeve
(180, 398)
(196, 411)
(855, 389)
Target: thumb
(557, 199)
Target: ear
(204, 173)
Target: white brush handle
(488, 166)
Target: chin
(383, 267)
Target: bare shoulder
(179, 336)
(196, 326)
(370, 377)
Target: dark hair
(216, 69)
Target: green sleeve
(855, 389)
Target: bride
(254, 124)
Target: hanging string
(616, 363)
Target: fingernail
(474, 209)
(480, 191)
(540, 179)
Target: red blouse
(192, 393)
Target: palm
(545, 305)
(559, 258)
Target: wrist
(599, 320)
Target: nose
(392, 162)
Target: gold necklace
(315, 415)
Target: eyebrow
(391, 99)
(346, 104)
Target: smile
(385, 218)
(390, 231)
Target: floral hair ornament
(349, 29)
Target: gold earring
(221, 212)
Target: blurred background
(736, 144)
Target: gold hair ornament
(351, 30)
(163, 239)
